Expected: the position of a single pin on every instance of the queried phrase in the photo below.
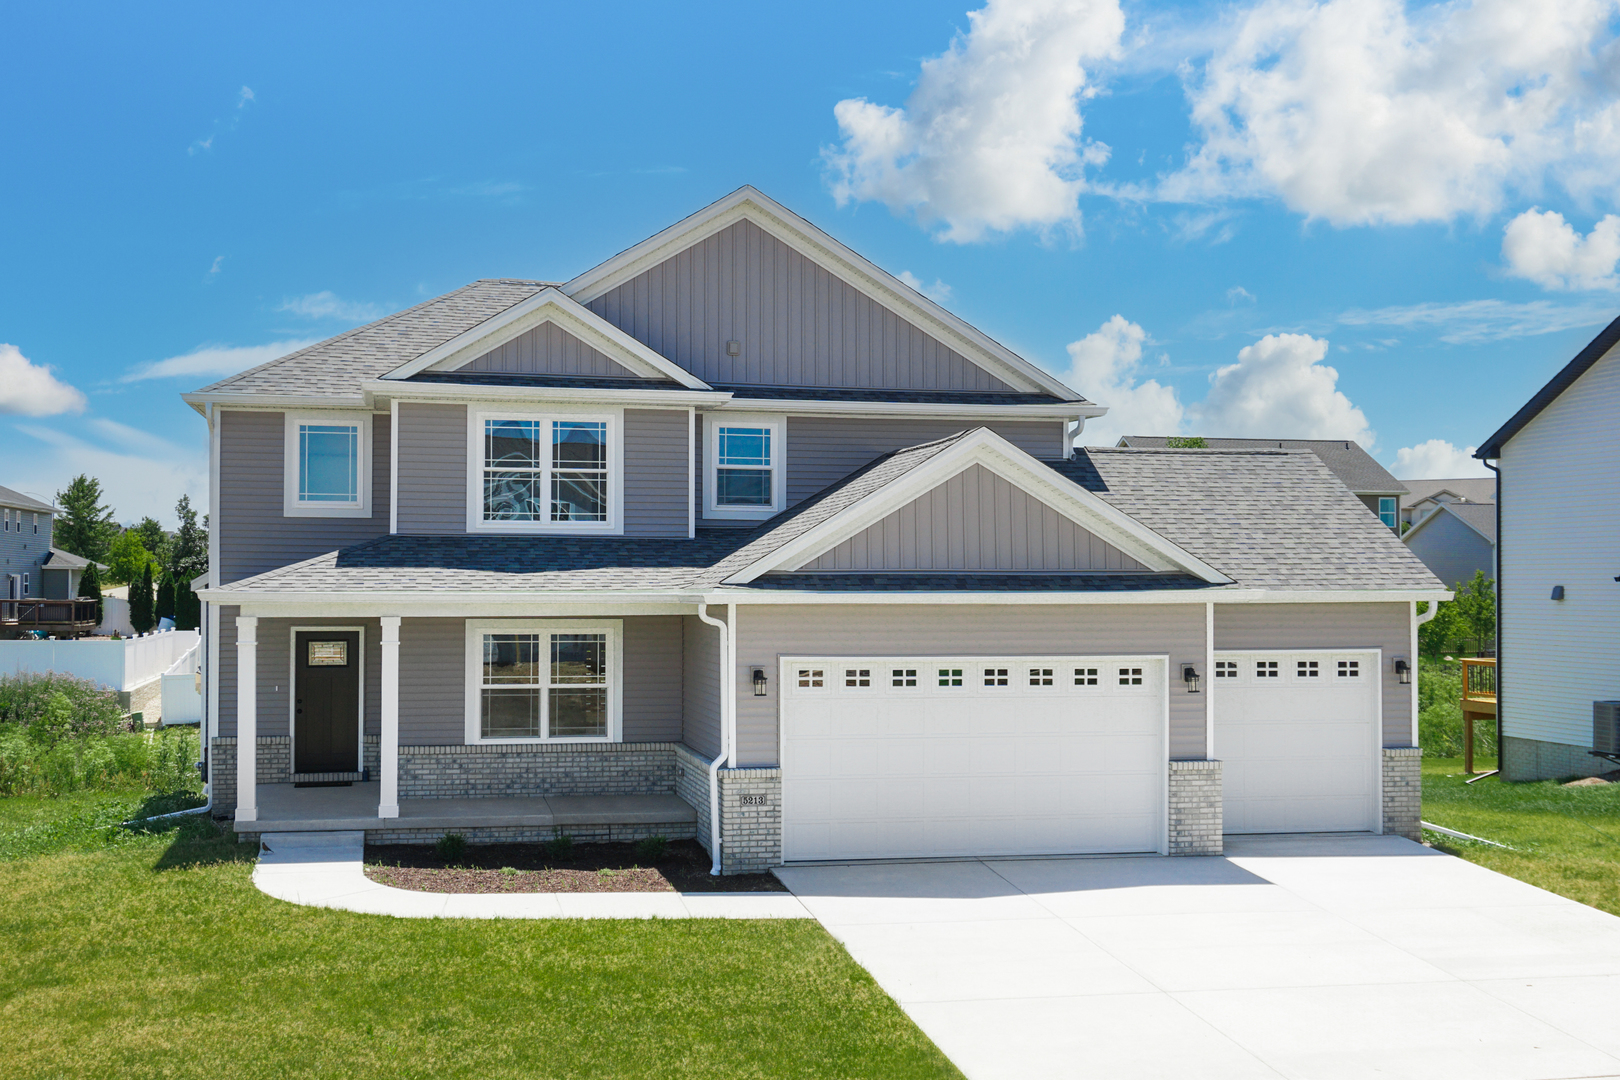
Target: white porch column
(247, 720)
(388, 748)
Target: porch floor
(285, 808)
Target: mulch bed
(526, 868)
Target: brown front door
(326, 702)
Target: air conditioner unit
(1606, 727)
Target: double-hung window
(743, 477)
(1386, 511)
(328, 465)
(542, 682)
(543, 473)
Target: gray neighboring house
(1424, 495)
(1373, 484)
(1456, 540)
(737, 537)
(25, 545)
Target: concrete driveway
(1315, 957)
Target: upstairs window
(542, 473)
(1386, 511)
(328, 465)
(743, 474)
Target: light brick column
(388, 749)
(247, 718)
(1403, 792)
(1195, 808)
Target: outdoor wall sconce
(1189, 675)
(1404, 670)
(1558, 592)
(759, 682)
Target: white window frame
(477, 628)
(1394, 520)
(777, 425)
(292, 505)
(613, 418)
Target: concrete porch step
(283, 808)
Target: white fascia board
(832, 256)
(278, 402)
(902, 409)
(554, 306)
(417, 605)
(469, 394)
(984, 447)
(1162, 596)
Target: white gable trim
(549, 305)
(832, 256)
(984, 447)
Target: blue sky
(1190, 214)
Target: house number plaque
(328, 653)
(753, 800)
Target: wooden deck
(64, 618)
(1478, 701)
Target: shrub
(560, 846)
(92, 710)
(652, 848)
(451, 846)
(163, 762)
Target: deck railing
(48, 614)
(1478, 701)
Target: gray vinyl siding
(976, 520)
(432, 682)
(1384, 626)
(798, 325)
(1452, 550)
(254, 534)
(274, 656)
(700, 691)
(548, 349)
(432, 469)
(653, 677)
(770, 632)
(22, 550)
(657, 467)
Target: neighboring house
(1379, 491)
(1456, 540)
(1424, 495)
(740, 530)
(60, 573)
(25, 544)
(1558, 594)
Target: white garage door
(1298, 736)
(940, 756)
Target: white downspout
(727, 704)
(1417, 621)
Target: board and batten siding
(254, 534)
(1560, 505)
(700, 691)
(548, 349)
(1386, 626)
(1452, 550)
(432, 469)
(976, 520)
(656, 472)
(767, 632)
(797, 324)
(274, 656)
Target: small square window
(1085, 676)
(811, 678)
(950, 676)
(857, 676)
(904, 677)
(1349, 669)
(1306, 669)
(1130, 676)
(1265, 669)
(1226, 669)
(1040, 676)
(995, 676)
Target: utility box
(1606, 727)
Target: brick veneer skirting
(1195, 808)
(750, 811)
(490, 770)
(1403, 791)
(273, 758)
(1534, 759)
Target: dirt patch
(526, 868)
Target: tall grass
(1440, 723)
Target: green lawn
(1565, 839)
(148, 955)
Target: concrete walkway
(1321, 957)
(325, 870)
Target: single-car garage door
(919, 757)
(1298, 737)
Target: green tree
(90, 589)
(141, 616)
(1186, 442)
(153, 538)
(187, 556)
(1476, 612)
(126, 557)
(85, 527)
(187, 607)
(165, 595)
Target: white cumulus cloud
(1107, 368)
(328, 305)
(938, 292)
(29, 389)
(1542, 246)
(1376, 111)
(990, 139)
(216, 360)
(1279, 388)
(1437, 459)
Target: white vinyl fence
(122, 664)
(182, 689)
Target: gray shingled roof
(1481, 517)
(16, 500)
(336, 367)
(1479, 489)
(57, 559)
(1347, 460)
(1269, 519)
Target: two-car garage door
(919, 757)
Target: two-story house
(25, 544)
(737, 536)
